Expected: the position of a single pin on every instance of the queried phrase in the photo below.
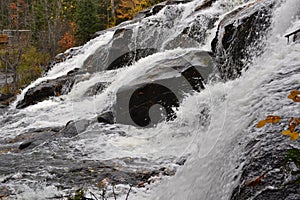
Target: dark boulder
(4, 97)
(269, 162)
(240, 37)
(73, 128)
(270, 173)
(132, 41)
(63, 57)
(205, 4)
(120, 54)
(106, 118)
(46, 89)
(5, 100)
(150, 98)
(96, 89)
(24, 145)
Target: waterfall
(210, 131)
(235, 108)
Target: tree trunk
(113, 11)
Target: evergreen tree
(87, 20)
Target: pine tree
(86, 20)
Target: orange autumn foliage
(13, 6)
(293, 123)
(269, 119)
(256, 181)
(67, 41)
(294, 95)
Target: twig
(94, 196)
(113, 189)
(128, 192)
(103, 195)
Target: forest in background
(40, 29)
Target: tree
(87, 20)
(127, 9)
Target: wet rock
(181, 161)
(132, 42)
(269, 173)
(2, 106)
(25, 145)
(74, 128)
(240, 37)
(106, 118)
(120, 54)
(165, 84)
(194, 35)
(150, 11)
(205, 4)
(113, 171)
(46, 89)
(63, 57)
(30, 139)
(96, 89)
(4, 97)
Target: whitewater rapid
(216, 162)
(211, 127)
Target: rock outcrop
(269, 172)
(240, 37)
(165, 84)
(46, 89)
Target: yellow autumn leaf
(276, 119)
(286, 132)
(294, 136)
(261, 123)
(294, 95)
(269, 119)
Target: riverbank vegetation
(32, 32)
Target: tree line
(53, 26)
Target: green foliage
(127, 9)
(79, 195)
(30, 66)
(87, 20)
(294, 156)
(54, 26)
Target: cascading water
(211, 127)
(215, 164)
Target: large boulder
(121, 52)
(166, 84)
(46, 89)
(270, 161)
(240, 37)
(61, 57)
(132, 41)
(271, 169)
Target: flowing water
(211, 127)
